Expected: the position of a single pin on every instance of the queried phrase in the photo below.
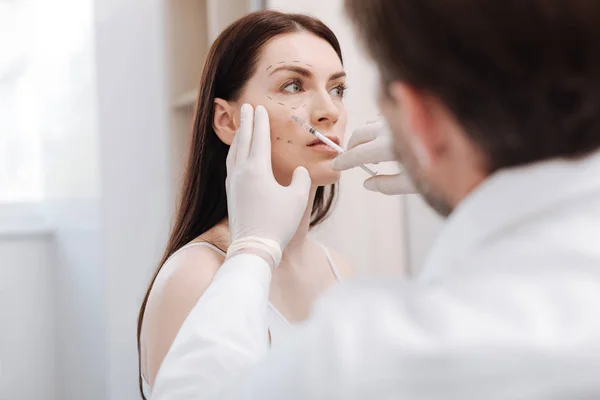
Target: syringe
(327, 141)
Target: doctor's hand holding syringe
(369, 144)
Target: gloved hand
(372, 144)
(263, 215)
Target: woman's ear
(224, 121)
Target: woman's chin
(324, 176)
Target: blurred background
(96, 99)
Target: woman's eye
(338, 91)
(293, 87)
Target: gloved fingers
(362, 154)
(301, 181)
(368, 153)
(390, 184)
(365, 133)
(244, 134)
(260, 151)
(230, 162)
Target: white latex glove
(372, 144)
(261, 211)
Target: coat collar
(506, 199)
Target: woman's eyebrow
(294, 68)
(305, 72)
(337, 75)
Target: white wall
(101, 110)
(68, 121)
(61, 99)
(80, 308)
(134, 169)
(27, 355)
(375, 221)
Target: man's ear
(225, 123)
(419, 115)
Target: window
(47, 99)
(20, 140)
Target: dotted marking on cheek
(289, 141)
(278, 138)
(283, 104)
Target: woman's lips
(318, 141)
(323, 148)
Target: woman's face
(300, 74)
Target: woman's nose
(324, 111)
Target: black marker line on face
(281, 62)
(269, 67)
(270, 98)
(309, 65)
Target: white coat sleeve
(499, 337)
(505, 338)
(225, 333)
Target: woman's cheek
(284, 160)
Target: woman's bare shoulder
(194, 264)
(179, 285)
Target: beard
(426, 190)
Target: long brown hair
(230, 63)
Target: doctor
(494, 109)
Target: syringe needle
(327, 141)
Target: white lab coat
(507, 307)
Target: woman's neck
(299, 239)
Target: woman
(291, 64)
